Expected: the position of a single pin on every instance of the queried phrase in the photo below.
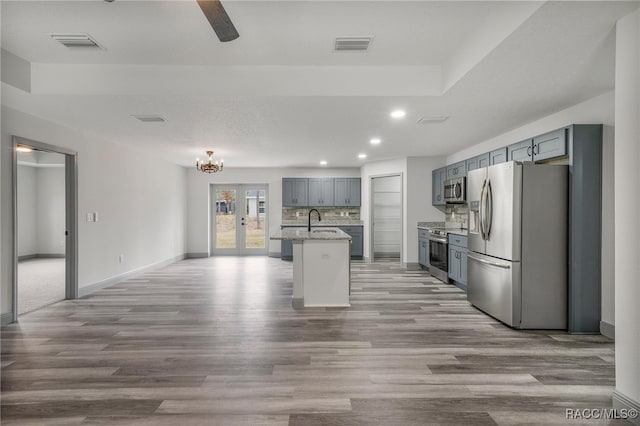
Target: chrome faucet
(319, 218)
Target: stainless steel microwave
(455, 191)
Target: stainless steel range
(438, 254)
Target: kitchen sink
(326, 231)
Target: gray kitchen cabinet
(472, 164)
(286, 250)
(521, 151)
(457, 170)
(295, 192)
(483, 160)
(478, 162)
(550, 145)
(458, 260)
(347, 192)
(321, 192)
(423, 248)
(498, 156)
(357, 240)
(438, 177)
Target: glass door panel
(226, 219)
(255, 219)
(240, 224)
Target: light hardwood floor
(215, 341)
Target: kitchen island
(321, 266)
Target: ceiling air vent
(75, 40)
(432, 119)
(150, 118)
(352, 44)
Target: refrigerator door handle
(499, 265)
(481, 218)
(489, 204)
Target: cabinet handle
(536, 149)
(529, 153)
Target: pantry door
(239, 216)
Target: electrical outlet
(95, 216)
(89, 217)
(121, 258)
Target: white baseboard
(623, 402)
(88, 289)
(6, 318)
(275, 254)
(608, 330)
(411, 266)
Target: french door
(239, 216)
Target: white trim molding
(623, 402)
(608, 330)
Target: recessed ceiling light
(398, 113)
(362, 156)
(375, 141)
(323, 163)
(22, 148)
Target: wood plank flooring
(216, 341)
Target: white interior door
(387, 216)
(239, 215)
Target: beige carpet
(40, 283)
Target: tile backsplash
(327, 213)
(456, 215)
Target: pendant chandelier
(211, 166)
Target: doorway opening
(386, 218)
(240, 219)
(45, 218)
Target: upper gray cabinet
(521, 151)
(498, 156)
(295, 192)
(347, 192)
(321, 191)
(483, 160)
(478, 162)
(438, 177)
(550, 145)
(472, 164)
(457, 170)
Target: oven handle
(438, 240)
(499, 265)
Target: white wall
(381, 168)
(27, 211)
(627, 203)
(141, 214)
(593, 111)
(50, 207)
(416, 196)
(198, 183)
(419, 208)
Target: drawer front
(458, 240)
(351, 230)
(423, 233)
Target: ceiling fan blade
(219, 20)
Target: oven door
(438, 253)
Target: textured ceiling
(278, 96)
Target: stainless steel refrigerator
(517, 259)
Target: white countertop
(291, 233)
(323, 223)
